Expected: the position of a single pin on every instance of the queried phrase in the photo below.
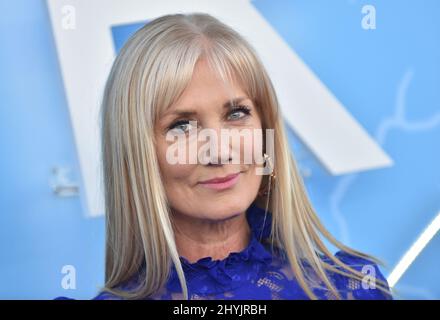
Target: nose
(220, 147)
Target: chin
(225, 209)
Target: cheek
(177, 182)
(252, 181)
(251, 145)
(171, 173)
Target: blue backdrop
(388, 79)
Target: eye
(239, 112)
(182, 126)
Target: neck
(200, 238)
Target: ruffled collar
(208, 276)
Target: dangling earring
(266, 190)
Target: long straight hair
(148, 75)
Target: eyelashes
(183, 124)
(241, 108)
(177, 125)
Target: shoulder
(103, 295)
(369, 288)
(63, 298)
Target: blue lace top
(260, 273)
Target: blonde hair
(149, 73)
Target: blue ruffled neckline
(208, 276)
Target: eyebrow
(228, 104)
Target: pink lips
(221, 183)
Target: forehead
(207, 89)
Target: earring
(266, 189)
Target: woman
(214, 228)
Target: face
(189, 186)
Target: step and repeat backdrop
(372, 172)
